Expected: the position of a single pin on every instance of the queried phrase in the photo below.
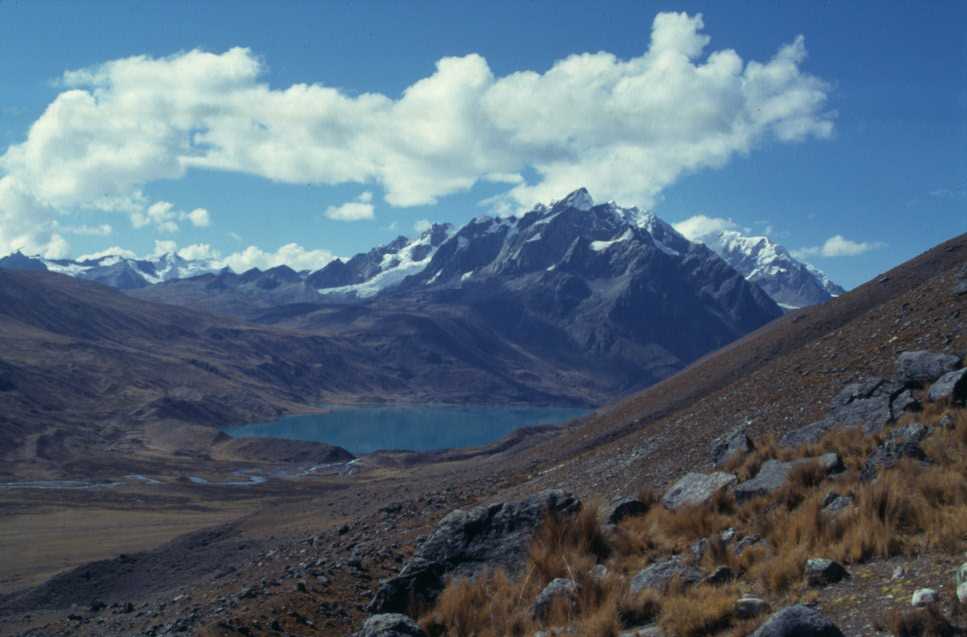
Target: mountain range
(206, 282)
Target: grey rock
(644, 631)
(657, 576)
(727, 535)
(721, 575)
(870, 403)
(961, 575)
(822, 572)
(748, 542)
(946, 422)
(924, 597)
(559, 590)
(834, 502)
(622, 508)
(798, 621)
(698, 548)
(730, 445)
(749, 607)
(952, 387)
(901, 443)
(599, 572)
(960, 281)
(917, 368)
(390, 625)
(696, 488)
(962, 593)
(467, 542)
(773, 474)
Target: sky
(264, 134)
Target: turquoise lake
(364, 429)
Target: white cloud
(112, 251)
(358, 210)
(165, 218)
(838, 246)
(291, 254)
(625, 128)
(198, 251)
(164, 247)
(700, 227)
(101, 230)
(199, 217)
(422, 225)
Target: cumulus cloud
(700, 227)
(838, 246)
(165, 218)
(625, 128)
(101, 230)
(358, 210)
(116, 251)
(291, 254)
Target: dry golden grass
(703, 610)
(919, 622)
(908, 509)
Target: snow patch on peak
(580, 199)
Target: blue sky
(869, 144)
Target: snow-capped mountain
(790, 282)
(597, 280)
(253, 292)
(117, 271)
(366, 274)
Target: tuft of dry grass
(909, 508)
(920, 622)
(566, 546)
(703, 610)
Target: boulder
(962, 593)
(922, 367)
(749, 607)
(901, 443)
(696, 488)
(951, 387)
(772, 475)
(960, 281)
(808, 435)
(961, 576)
(659, 575)
(467, 542)
(731, 445)
(798, 621)
(721, 575)
(390, 625)
(822, 572)
(834, 502)
(560, 590)
(870, 403)
(623, 507)
(924, 597)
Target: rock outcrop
(466, 542)
(390, 625)
(659, 575)
(952, 387)
(773, 474)
(733, 444)
(901, 443)
(798, 621)
(623, 507)
(696, 488)
(560, 591)
(922, 367)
